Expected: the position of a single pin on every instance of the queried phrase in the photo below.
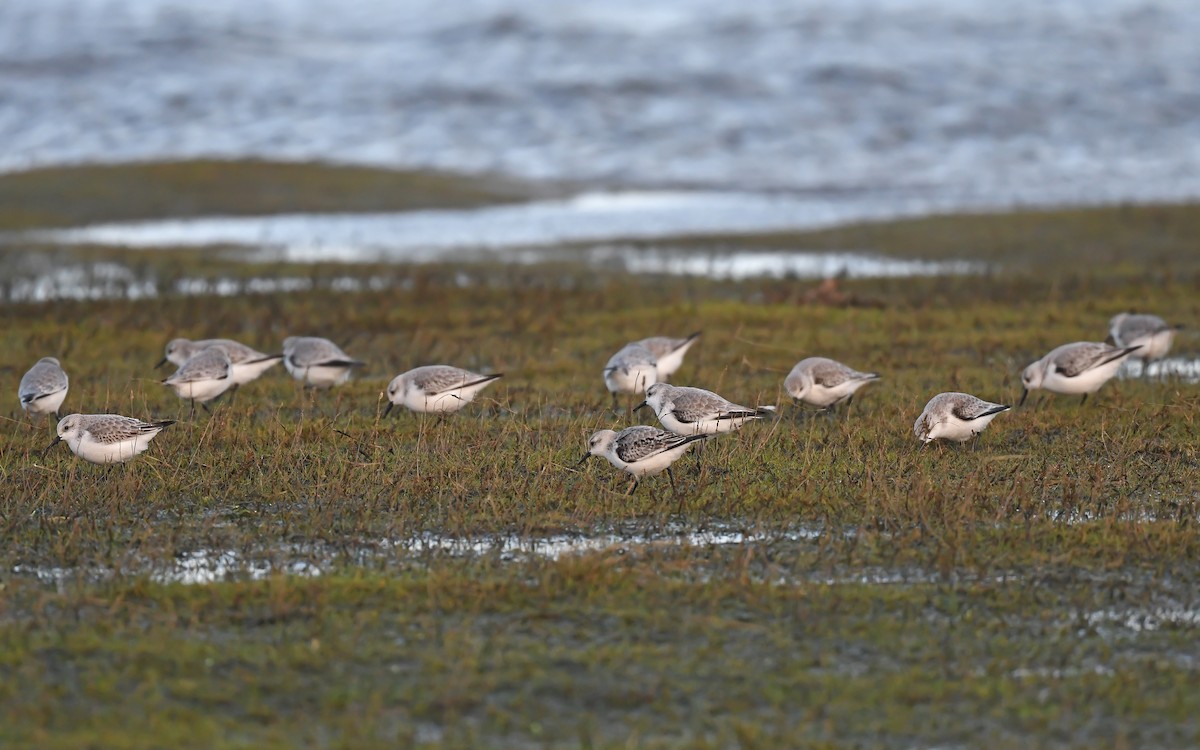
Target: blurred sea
(946, 103)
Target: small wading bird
(955, 416)
(668, 352)
(1150, 332)
(1081, 367)
(695, 411)
(825, 383)
(106, 438)
(246, 364)
(202, 378)
(640, 450)
(630, 370)
(317, 361)
(43, 388)
(436, 389)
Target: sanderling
(246, 363)
(640, 450)
(203, 377)
(439, 389)
(630, 370)
(668, 352)
(43, 388)
(825, 382)
(316, 361)
(1081, 367)
(1150, 332)
(695, 411)
(955, 416)
(106, 438)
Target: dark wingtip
(694, 336)
(164, 423)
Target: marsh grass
(1035, 588)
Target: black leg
(671, 477)
(205, 405)
(1083, 400)
(192, 413)
(632, 487)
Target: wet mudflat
(296, 569)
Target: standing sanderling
(640, 450)
(668, 352)
(1081, 367)
(823, 382)
(203, 377)
(955, 416)
(630, 370)
(438, 389)
(317, 361)
(695, 411)
(1150, 332)
(43, 388)
(246, 363)
(106, 438)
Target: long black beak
(388, 410)
(1024, 395)
(641, 406)
(56, 441)
(583, 460)
(161, 362)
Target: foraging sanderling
(955, 416)
(1150, 332)
(824, 382)
(1080, 367)
(695, 411)
(246, 363)
(630, 370)
(640, 450)
(317, 361)
(439, 389)
(43, 388)
(203, 377)
(106, 438)
(668, 352)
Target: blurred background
(935, 104)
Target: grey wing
(1080, 359)
(442, 379)
(42, 380)
(1137, 326)
(970, 408)
(830, 374)
(640, 443)
(113, 428)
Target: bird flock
(210, 368)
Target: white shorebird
(1081, 367)
(955, 416)
(631, 370)
(106, 438)
(203, 377)
(825, 383)
(668, 352)
(317, 361)
(246, 363)
(43, 388)
(695, 411)
(640, 450)
(437, 389)
(1150, 332)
